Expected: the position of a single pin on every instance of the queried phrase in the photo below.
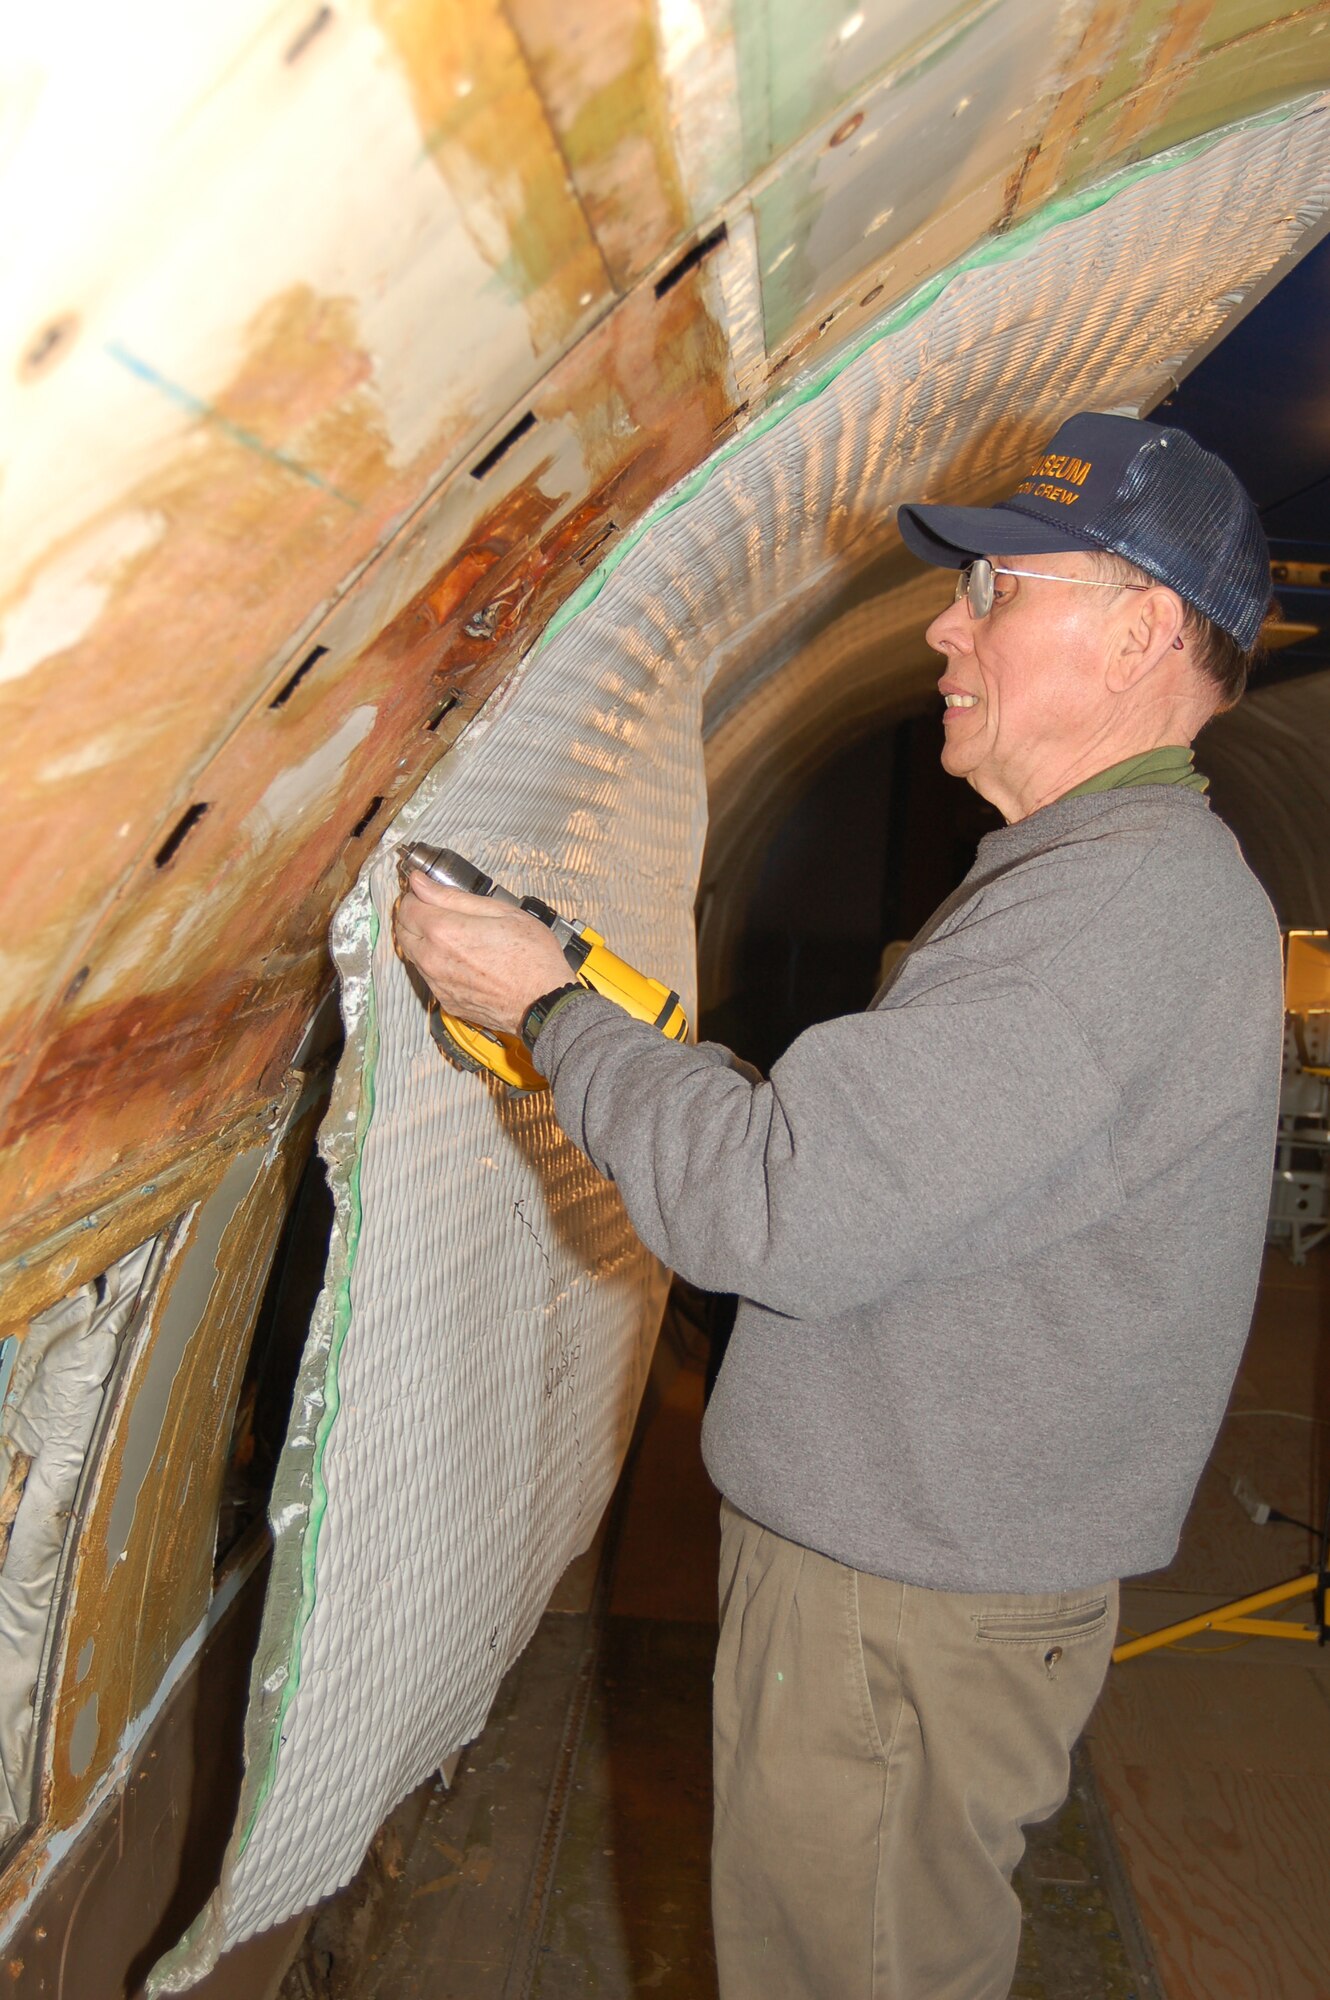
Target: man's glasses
(975, 583)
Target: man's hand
(484, 962)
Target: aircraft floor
(1215, 1770)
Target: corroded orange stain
(242, 549)
(1163, 72)
(598, 70)
(483, 126)
(190, 626)
(1044, 165)
(201, 972)
(300, 378)
(461, 579)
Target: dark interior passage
(861, 859)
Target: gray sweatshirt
(997, 1239)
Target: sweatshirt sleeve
(884, 1146)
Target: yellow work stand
(1238, 1617)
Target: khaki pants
(878, 1750)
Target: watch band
(540, 1010)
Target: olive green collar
(1170, 765)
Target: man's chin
(960, 761)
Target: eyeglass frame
(975, 580)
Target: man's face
(1024, 687)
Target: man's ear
(1151, 628)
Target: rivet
(445, 707)
(54, 340)
(484, 623)
(846, 129)
(312, 29)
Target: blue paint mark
(197, 407)
(8, 1356)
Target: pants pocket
(1046, 1623)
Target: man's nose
(952, 631)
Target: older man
(996, 1238)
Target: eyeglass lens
(975, 585)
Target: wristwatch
(540, 1010)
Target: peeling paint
(183, 967)
(83, 1737)
(191, 1283)
(295, 790)
(68, 596)
(564, 472)
(484, 130)
(598, 73)
(700, 70)
(26, 1886)
(198, 406)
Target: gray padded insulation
(48, 1418)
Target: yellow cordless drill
(588, 955)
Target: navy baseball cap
(1144, 491)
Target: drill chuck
(450, 870)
